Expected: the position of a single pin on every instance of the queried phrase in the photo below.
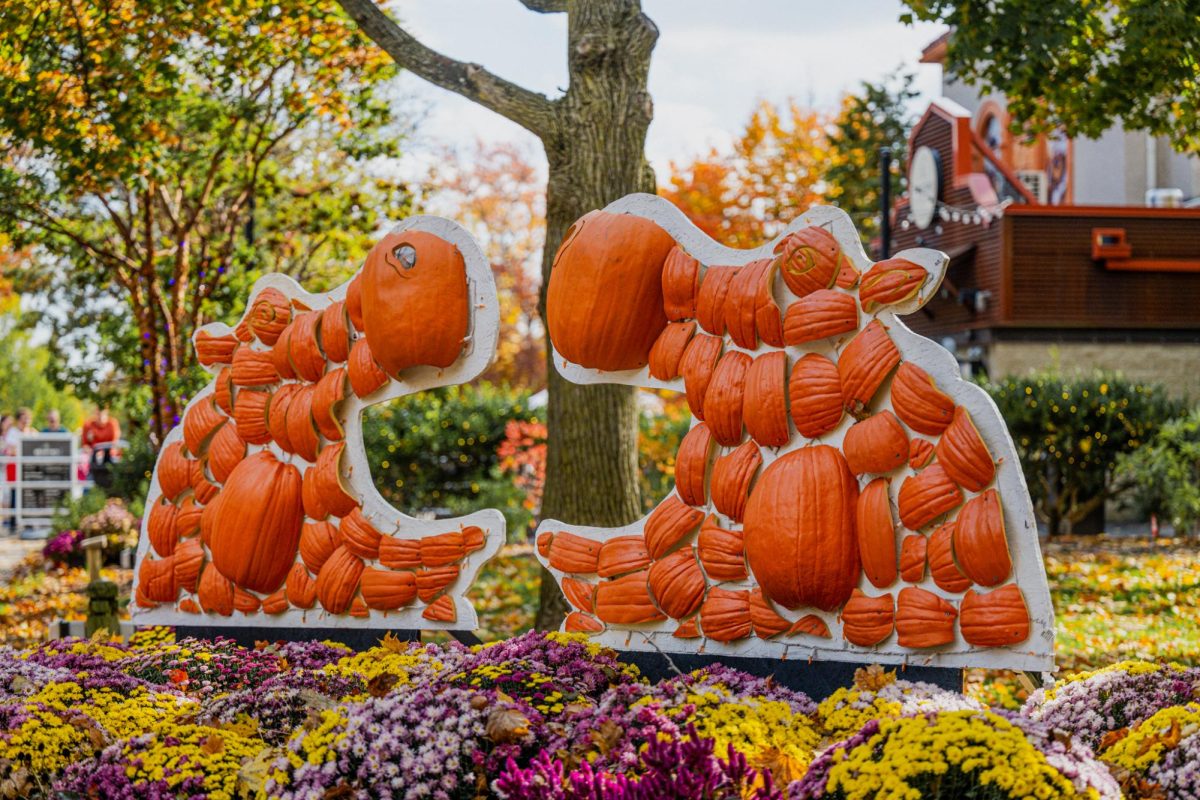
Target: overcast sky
(714, 60)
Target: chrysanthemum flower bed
(557, 717)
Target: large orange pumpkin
(867, 621)
(890, 282)
(824, 313)
(604, 303)
(680, 283)
(918, 402)
(809, 260)
(815, 395)
(864, 364)
(942, 569)
(691, 465)
(799, 529)
(996, 619)
(764, 407)
(964, 455)
(668, 350)
(876, 534)
(923, 619)
(723, 398)
(677, 583)
(414, 301)
(926, 496)
(697, 365)
(980, 546)
(876, 444)
(732, 475)
(256, 532)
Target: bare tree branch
(546, 6)
(530, 110)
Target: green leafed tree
(158, 154)
(1079, 65)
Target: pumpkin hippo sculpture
(841, 490)
(262, 510)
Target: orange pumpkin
(303, 348)
(876, 534)
(310, 495)
(335, 332)
(277, 420)
(223, 390)
(215, 592)
(980, 546)
(281, 355)
(725, 615)
(187, 605)
(329, 392)
(810, 625)
(723, 398)
(160, 528)
(824, 313)
(668, 350)
(301, 431)
(809, 260)
(256, 532)
(269, 314)
(815, 395)
(942, 568)
(275, 603)
(996, 619)
(337, 582)
(731, 478)
(214, 349)
(799, 529)
(366, 376)
(441, 610)
(711, 301)
(867, 621)
(580, 594)
(918, 402)
(543, 544)
(697, 365)
(890, 282)
(912, 558)
(677, 583)
(680, 284)
(926, 496)
(920, 453)
(622, 554)
(250, 414)
(431, 582)
(253, 368)
(204, 490)
(764, 619)
(318, 540)
(722, 552)
(581, 623)
(668, 524)
(225, 451)
(865, 364)
(691, 465)
(174, 471)
(199, 423)
(414, 301)
(359, 536)
(245, 602)
(443, 549)
(328, 481)
(923, 619)
(750, 309)
(354, 303)
(156, 579)
(626, 600)
(301, 589)
(386, 590)
(187, 518)
(764, 406)
(963, 454)
(397, 553)
(571, 553)
(604, 302)
(847, 276)
(689, 629)
(876, 444)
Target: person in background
(54, 422)
(101, 429)
(22, 425)
(9, 473)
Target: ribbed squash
(810, 625)
(397, 553)
(847, 276)
(253, 368)
(174, 471)
(215, 592)
(669, 524)
(668, 350)
(156, 579)
(799, 529)
(204, 490)
(387, 590)
(215, 349)
(543, 544)
(691, 465)
(764, 407)
(711, 301)
(626, 600)
(250, 414)
(160, 528)
(359, 610)
(188, 606)
(942, 568)
(245, 602)
(277, 411)
(815, 395)
(223, 390)
(330, 392)
(318, 540)
(354, 302)
(920, 453)
(867, 621)
(876, 534)
(580, 594)
(275, 603)
(328, 481)
(604, 302)
(243, 333)
(722, 552)
(622, 554)
(281, 355)
(200, 422)
(824, 313)
(680, 284)
(994, 619)
(310, 495)
(725, 615)
(697, 365)
(366, 376)
(337, 582)
(918, 402)
(442, 549)
(912, 558)
(207, 521)
(187, 518)
(225, 452)
(980, 546)
(688, 629)
(923, 619)
(269, 314)
(890, 282)
(301, 431)
(677, 583)
(764, 619)
(723, 398)
(926, 496)
(301, 589)
(963, 454)
(304, 350)
(876, 444)
(359, 536)
(335, 332)
(572, 553)
(809, 260)
(256, 532)
(864, 364)
(581, 623)
(750, 309)
(441, 610)
(732, 476)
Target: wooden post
(102, 594)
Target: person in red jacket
(100, 429)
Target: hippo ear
(934, 262)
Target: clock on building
(924, 185)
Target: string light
(979, 215)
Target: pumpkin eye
(405, 255)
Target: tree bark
(594, 137)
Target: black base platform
(358, 638)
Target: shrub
(1166, 473)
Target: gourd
(581, 623)
(926, 496)
(711, 300)
(359, 536)
(622, 554)
(918, 402)
(725, 614)
(980, 546)
(225, 451)
(277, 416)
(626, 600)
(824, 313)
(590, 324)
(160, 528)
(156, 579)
(275, 603)
(303, 350)
(245, 602)
(337, 582)
(281, 356)
(963, 454)
(571, 553)
(199, 423)
(722, 552)
(890, 282)
(214, 349)
(815, 395)
(994, 619)
(441, 610)
(387, 590)
(215, 592)
(187, 518)
(750, 309)
(269, 314)
(691, 465)
(867, 621)
(300, 589)
(354, 303)
(876, 444)
(697, 365)
(301, 432)
(398, 553)
(923, 619)
(580, 594)
(723, 398)
(366, 376)
(680, 283)
(920, 453)
(327, 477)
(731, 478)
(764, 406)
(864, 365)
(912, 557)
(765, 621)
(668, 350)
(174, 471)
(810, 625)
(809, 260)
(414, 301)
(450, 548)
(335, 332)
(253, 368)
(799, 529)
(667, 525)
(945, 573)
(876, 534)
(329, 392)
(256, 531)
(677, 583)
(431, 582)
(223, 390)
(318, 540)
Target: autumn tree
(594, 136)
(157, 154)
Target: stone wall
(1176, 365)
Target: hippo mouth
(402, 258)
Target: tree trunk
(596, 155)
